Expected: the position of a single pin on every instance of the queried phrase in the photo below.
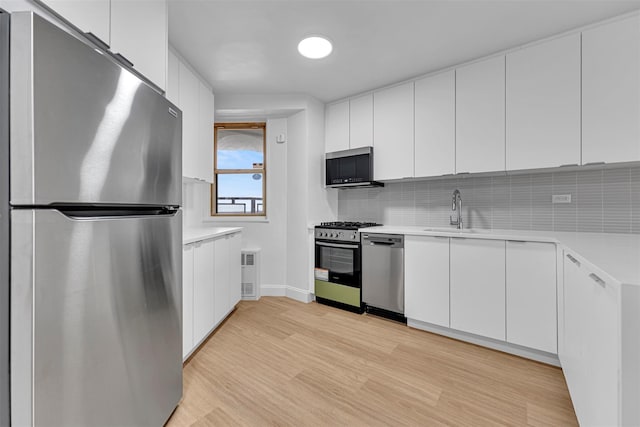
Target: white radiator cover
(251, 274)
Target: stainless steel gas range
(338, 263)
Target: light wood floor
(281, 362)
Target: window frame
(214, 187)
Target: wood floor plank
(279, 362)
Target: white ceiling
(250, 47)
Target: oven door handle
(337, 245)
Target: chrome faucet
(456, 206)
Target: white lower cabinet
(592, 351)
(187, 299)
(221, 271)
(426, 279)
(235, 269)
(203, 290)
(531, 295)
(211, 286)
(478, 287)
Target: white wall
(295, 196)
(269, 235)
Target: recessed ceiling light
(315, 47)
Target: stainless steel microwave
(350, 168)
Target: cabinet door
(90, 16)
(222, 291)
(543, 105)
(573, 357)
(173, 79)
(478, 287)
(189, 104)
(235, 269)
(611, 92)
(187, 299)
(336, 132)
(393, 132)
(591, 352)
(426, 279)
(604, 350)
(139, 32)
(531, 295)
(203, 290)
(206, 111)
(361, 121)
(435, 116)
(480, 110)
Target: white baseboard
(286, 291)
(273, 290)
(528, 353)
(299, 295)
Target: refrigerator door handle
(117, 213)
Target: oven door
(338, 263)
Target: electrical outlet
(561, 198)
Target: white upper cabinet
(196, 101)
(531, 295)
(173, 79)
(478, 287)
(611, 92)
(480, 110)
(89, 16)
(361, 121)
(426, 279)
(205, 124)
(393, 132)
(543, 105)
(189, 104)
(435, 125)
(336, 134)
(139, 32)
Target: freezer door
(96, 331)
(84, 129)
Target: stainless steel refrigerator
(95, 227)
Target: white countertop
(190, 235)
(617, 255)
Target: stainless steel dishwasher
(383, 274)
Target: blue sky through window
(239, 185)
(238, 159)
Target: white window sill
(235, 219)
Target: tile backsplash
(602, 200)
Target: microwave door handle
(337, 245)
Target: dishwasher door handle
(382, 243)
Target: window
(239, 165)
